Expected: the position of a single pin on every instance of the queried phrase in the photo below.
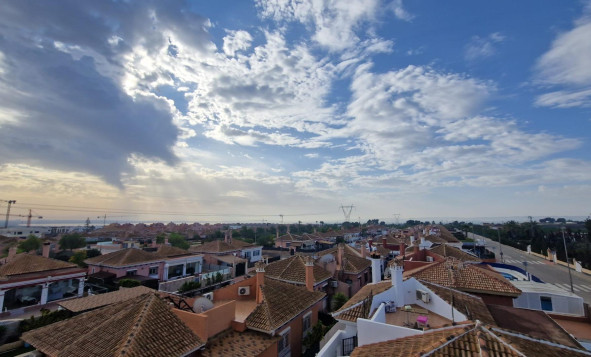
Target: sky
(243, 111)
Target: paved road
(547, 271)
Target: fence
(174, 285)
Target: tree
(160, 238)
(129, 283)
(338, 300)
(91, 253)
(78, 258)
(72, 241)
(177, 240)
(588, 225)
(313, 338)
(219, 277)
(31, 243)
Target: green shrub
(44, 320)
(129, 283)
(189, 285)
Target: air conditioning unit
(244, 290)
(208, 296)
(423, 296)
(334, 284)
(430, 259)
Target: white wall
(560, 303)
(437, 304)
(334, 346)
(372, 332)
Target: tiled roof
(28, 263)
(100, 300)
(465, 277)
(216, 246)
(435, 239)
(358, 305)
(293, 269)
(281, 303)
(445, 234)
(240, 344)
(534, 323)
(169, 251)
(143, 326)
(449, 251)
(352, 260)
(469, 341)
(124, 257)
(471, 306)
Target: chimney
(363, 250)
(416, 248)
(376, 268)
(46, 249)
(370, 243)
(396, 270)
(11, 253)
(166, 241)
(154, 244)
(309, 263)
(260, 280)
(340, 251)
(402, 248)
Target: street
(545, 270)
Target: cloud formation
(566, 65)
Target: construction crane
(29, 216)
(10, 202)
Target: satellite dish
(202, 304)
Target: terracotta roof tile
(353, 261)
(240, 344)
(168, 251)
(465, 277)
(124, 257)
(293, 270)
(143, 326)
(28, 263)
(449, 251)
(100, 300)
(534, 323)
(215, 247)
(281, 303)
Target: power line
(134, 212)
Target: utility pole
(570, 277)
(10, 202)
(500, 246)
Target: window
(306, 323)
(546, 303)
(247, 254)
(256, 253)
(283, 344)
(131, 272)
(153, 271)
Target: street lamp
(570, 277)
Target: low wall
(560, 262)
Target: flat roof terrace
(409, 315)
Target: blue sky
(244, 110)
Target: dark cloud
(70, 113)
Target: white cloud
(236, 41)
(482, 47)
(566, 64)
(399, 11)
(334, 22)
